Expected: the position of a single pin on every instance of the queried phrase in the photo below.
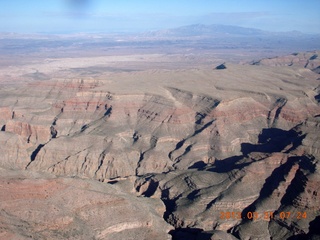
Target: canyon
(130, 147)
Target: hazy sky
(63, 16)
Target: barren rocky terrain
(130, 147)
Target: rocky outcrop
(30, 133)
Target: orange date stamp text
(262, 215)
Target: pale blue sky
(63, 16)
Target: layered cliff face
(78, 128)
(206, 142)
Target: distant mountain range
(194, 30)
(201, 30)
(194, 38)
(218, 30)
